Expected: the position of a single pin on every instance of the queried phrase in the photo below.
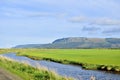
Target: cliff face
(78, 42)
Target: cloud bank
(112, 31)
(95, 21)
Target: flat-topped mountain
(78, 42)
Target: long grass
(26, 72)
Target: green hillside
(77, 42)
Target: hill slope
(78, 42)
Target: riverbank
(26, 72)
(109, 68)
(6, 75)
(94, 59)
(65, 70)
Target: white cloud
(90, 28)
(96, 7)
(17, 12)
(105, 4)
(78, 19)
(95, 21)
(106, 21)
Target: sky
(43, 21)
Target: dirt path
(5, 75)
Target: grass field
(105, 59)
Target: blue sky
(42, 21)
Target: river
(66, 70)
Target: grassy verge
(27, 72)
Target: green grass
(87, 58)
(27, 72)
(92, 56)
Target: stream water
(66, 70)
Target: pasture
(105, 59)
